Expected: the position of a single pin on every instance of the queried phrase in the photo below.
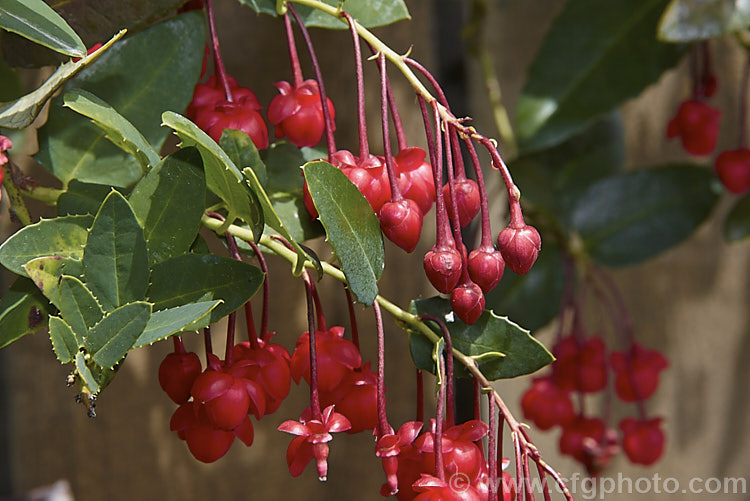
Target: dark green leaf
(596, 55)
(165, 323)
(369, 13)
(631, 217)
(79, 307)
(116, 128)
(35, 20)
(10, 83)
(351, 227)
(168, 203)
(47, 271)
(115, 259)
(152, 71)
(241, 149)
(22, 112)
(109, 340)
(64, 342)
(23, 310)
(82, 198)
(531, 300)
(192, 278)
(737, 223)
(693, 20)
(553, 179)
(490, 335)
(222, 176)
(200, 246)
(62, 237)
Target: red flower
(580, 365)
(389, 447)
(312, 440)
(697, 125)
(415, 177)
(733, 168)
(643, 441)
(369, 175)
(336, 356)
(637, 372)
(297, 113)
(433, 489)
(547, 405)
(267, 366)
(356, 397)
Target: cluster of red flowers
(582, 366)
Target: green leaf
(192, 278)
(79, 307)
(62, 237)
(595, 56)
(351, 227)
(284, 162)
(737, 223)
(630, 217)
(165, 323)
(22, 112)
(116, 127)
(693, 20)
(222, 176)
(369, 13)
(533, 299)
(35, 20)
(168, 203)
(152, 71)
(82, 198)
(489, 336)
(553, 179)
(85, 373)
(115, 259)
(241, 149)
(10, 83)
(23, 310)
(109, 340)
(47, 271)
(64, 342)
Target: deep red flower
(443, 266)
(637, 372)
(733, 168)
(467, 198)
(369, 175)
(433, 489)
(697, 126)
(268, 366)
(582, 438)
(415, 177)
(520, 247)
(401, 222)
(177, 372)
(356, 397)
(297, 113)
(467, 302)
(389, 447)
(643, 441)
(336, 356)
(547, 405)
(580, 365)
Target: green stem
(47, 195)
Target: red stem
(264, 269)
(352, 320)
(319, 78)
(420, 396)
(438, 438)
(453, 215)
(477, 397)
(395, 115)
(293, 57)
(314, 394)
(742, 128)
(231, 321)
(178, 346)
(364, 147)
(218, 62)
(392, 176)
(491, 447)
(383, 426)
(252, 334)
(543, 480)
(449, 401)
(435, 147)
(459, 170)
(499, 451)
(486, 228)
(527, 479)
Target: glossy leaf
(533, 299)
(47, 271)
(351, 227)
(109, 340)
(692, 20)
(595, 56)
(64, 342)
(116, 127)
(553, 179)
(165, 323)
(369, 13)
(62, 237)
(490, 335)
(194, 278)
(169, 202)
(630, 217)
(35, 20)
(115, 259)
(82, 198)
(23, 310)
(241, 149)
(140, 82)
(79, 307)
(22, 112)
(737, 223)
(222, 176)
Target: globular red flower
(582, 438)
(212, 92)
(389, 447)
(697, 126)
(297, 113)
(415, 177)
(460, 452)
(643, 440)
(520, 246)
(547, 405)
(312, 440)
(467, 302)
(356, 397)
(336, 357)
(369, 175)
(433, 489)
(401, 222)
(637, 372)
(467, 199)
(733, 168)
(443, 266)
(486, 267)
(581, 364)
(177, 372)
(268, 366)
(227, 399)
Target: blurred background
(692, 302)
